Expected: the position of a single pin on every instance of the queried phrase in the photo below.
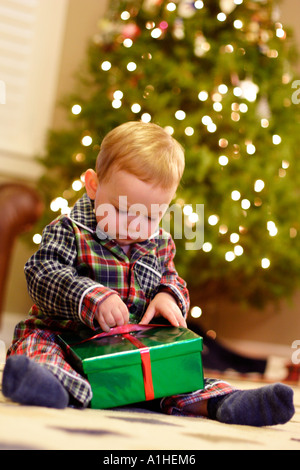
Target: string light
(180, 115)
(280, 33)
(87, 140)
(116, 104)
(213, 219)
(250, 148)
(150, 25)
(234, 237)
(206, 120)
(77, 185)
(196, 312)
(249, 90)
(156, 33)
(217, 107)
(211, 334)
(243, 108)
(217, 97)
(187, 210)
(285, 164)
(223, 89)
(212, 127)
(272, 228)
(238, 250)
(272, 54)
(235, 117)
(37, 238)
(118, 95)
(245, 204)
(223, 229)
(125, 15)
(207, 247)
(264, 123)
(238, 24)
(223, 160)
(189, 131)
(127, 42)
(163, 25)
(203, 95)
(193, 218)
(76, 109)
(237, 91)
(276, 139)
(146, 117)
(229, 48)
(171, 6)
(259, 186)
(169, 130)
(106, 65)
(229, 256)
(221, 17)
(131, 66)
(198, 4)
(235, 195)
(135, 108)
(223, 143)
(58, 203)
(265, 263)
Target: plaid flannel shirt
(75, 269)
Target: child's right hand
(112, 312)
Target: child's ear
(91, 183)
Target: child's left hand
(164, 305)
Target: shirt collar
(83, 215)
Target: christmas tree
(218, 75)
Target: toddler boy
(108, 263)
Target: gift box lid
(93, 351)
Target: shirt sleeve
(55, 284)
(172, 282)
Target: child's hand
(164, 305)
(112, 312)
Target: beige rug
(38, 428)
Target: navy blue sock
(29, 383)
(265, 406)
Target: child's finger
(121, 315)
(106, 323)
(181, 320)
(175, 318)
(147, 316)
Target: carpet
(133, 429)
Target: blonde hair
(145, 150)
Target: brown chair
(20, 208)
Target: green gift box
(135, 363)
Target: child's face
(127, 209)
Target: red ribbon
(124, 330)
(146, 365)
